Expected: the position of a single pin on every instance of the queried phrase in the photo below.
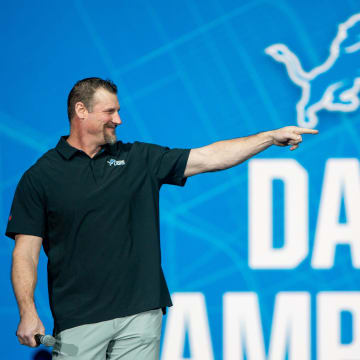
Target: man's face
(104, 117)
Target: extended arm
(24, 277)
(224, 154)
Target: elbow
(221, 165)
(22, 258)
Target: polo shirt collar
(67, 151)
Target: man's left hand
(290, 135)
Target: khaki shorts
(126, 338)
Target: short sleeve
(167, 165)
(27, 214)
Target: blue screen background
(189, 73)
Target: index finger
(300, 130)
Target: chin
(110, 139)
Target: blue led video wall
(262, 260)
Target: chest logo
(115, 162)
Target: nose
(116, 119)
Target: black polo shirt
(99, 220)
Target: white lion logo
(335, 84)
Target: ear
(81, 110)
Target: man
(93, 203)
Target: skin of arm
(25, 259)
(225, 154)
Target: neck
(86, 144)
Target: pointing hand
(290, 135)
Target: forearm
(228, 153)
(24, 277)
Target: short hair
(84, 91)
